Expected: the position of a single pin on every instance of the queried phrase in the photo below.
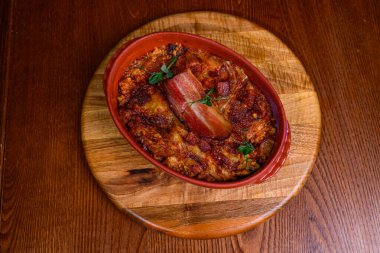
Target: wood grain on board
(181, 209)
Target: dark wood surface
(49, 199)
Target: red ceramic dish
(140, 46)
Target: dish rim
(117, 63)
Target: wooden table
(49, 199)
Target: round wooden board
(168, 204)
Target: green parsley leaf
(174, 59)
(206, 100)
(164, 68)
(241, 149)
(246, 148)
(210, 91)
(169, 74)
(155, 77)
(246, 162)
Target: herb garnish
(246, 148)
(156, 77)
(207, 100)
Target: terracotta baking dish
(140, 46)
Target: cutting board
(163, 202)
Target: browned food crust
(147, 115)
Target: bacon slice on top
(204, 120)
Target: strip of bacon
(201, 119)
